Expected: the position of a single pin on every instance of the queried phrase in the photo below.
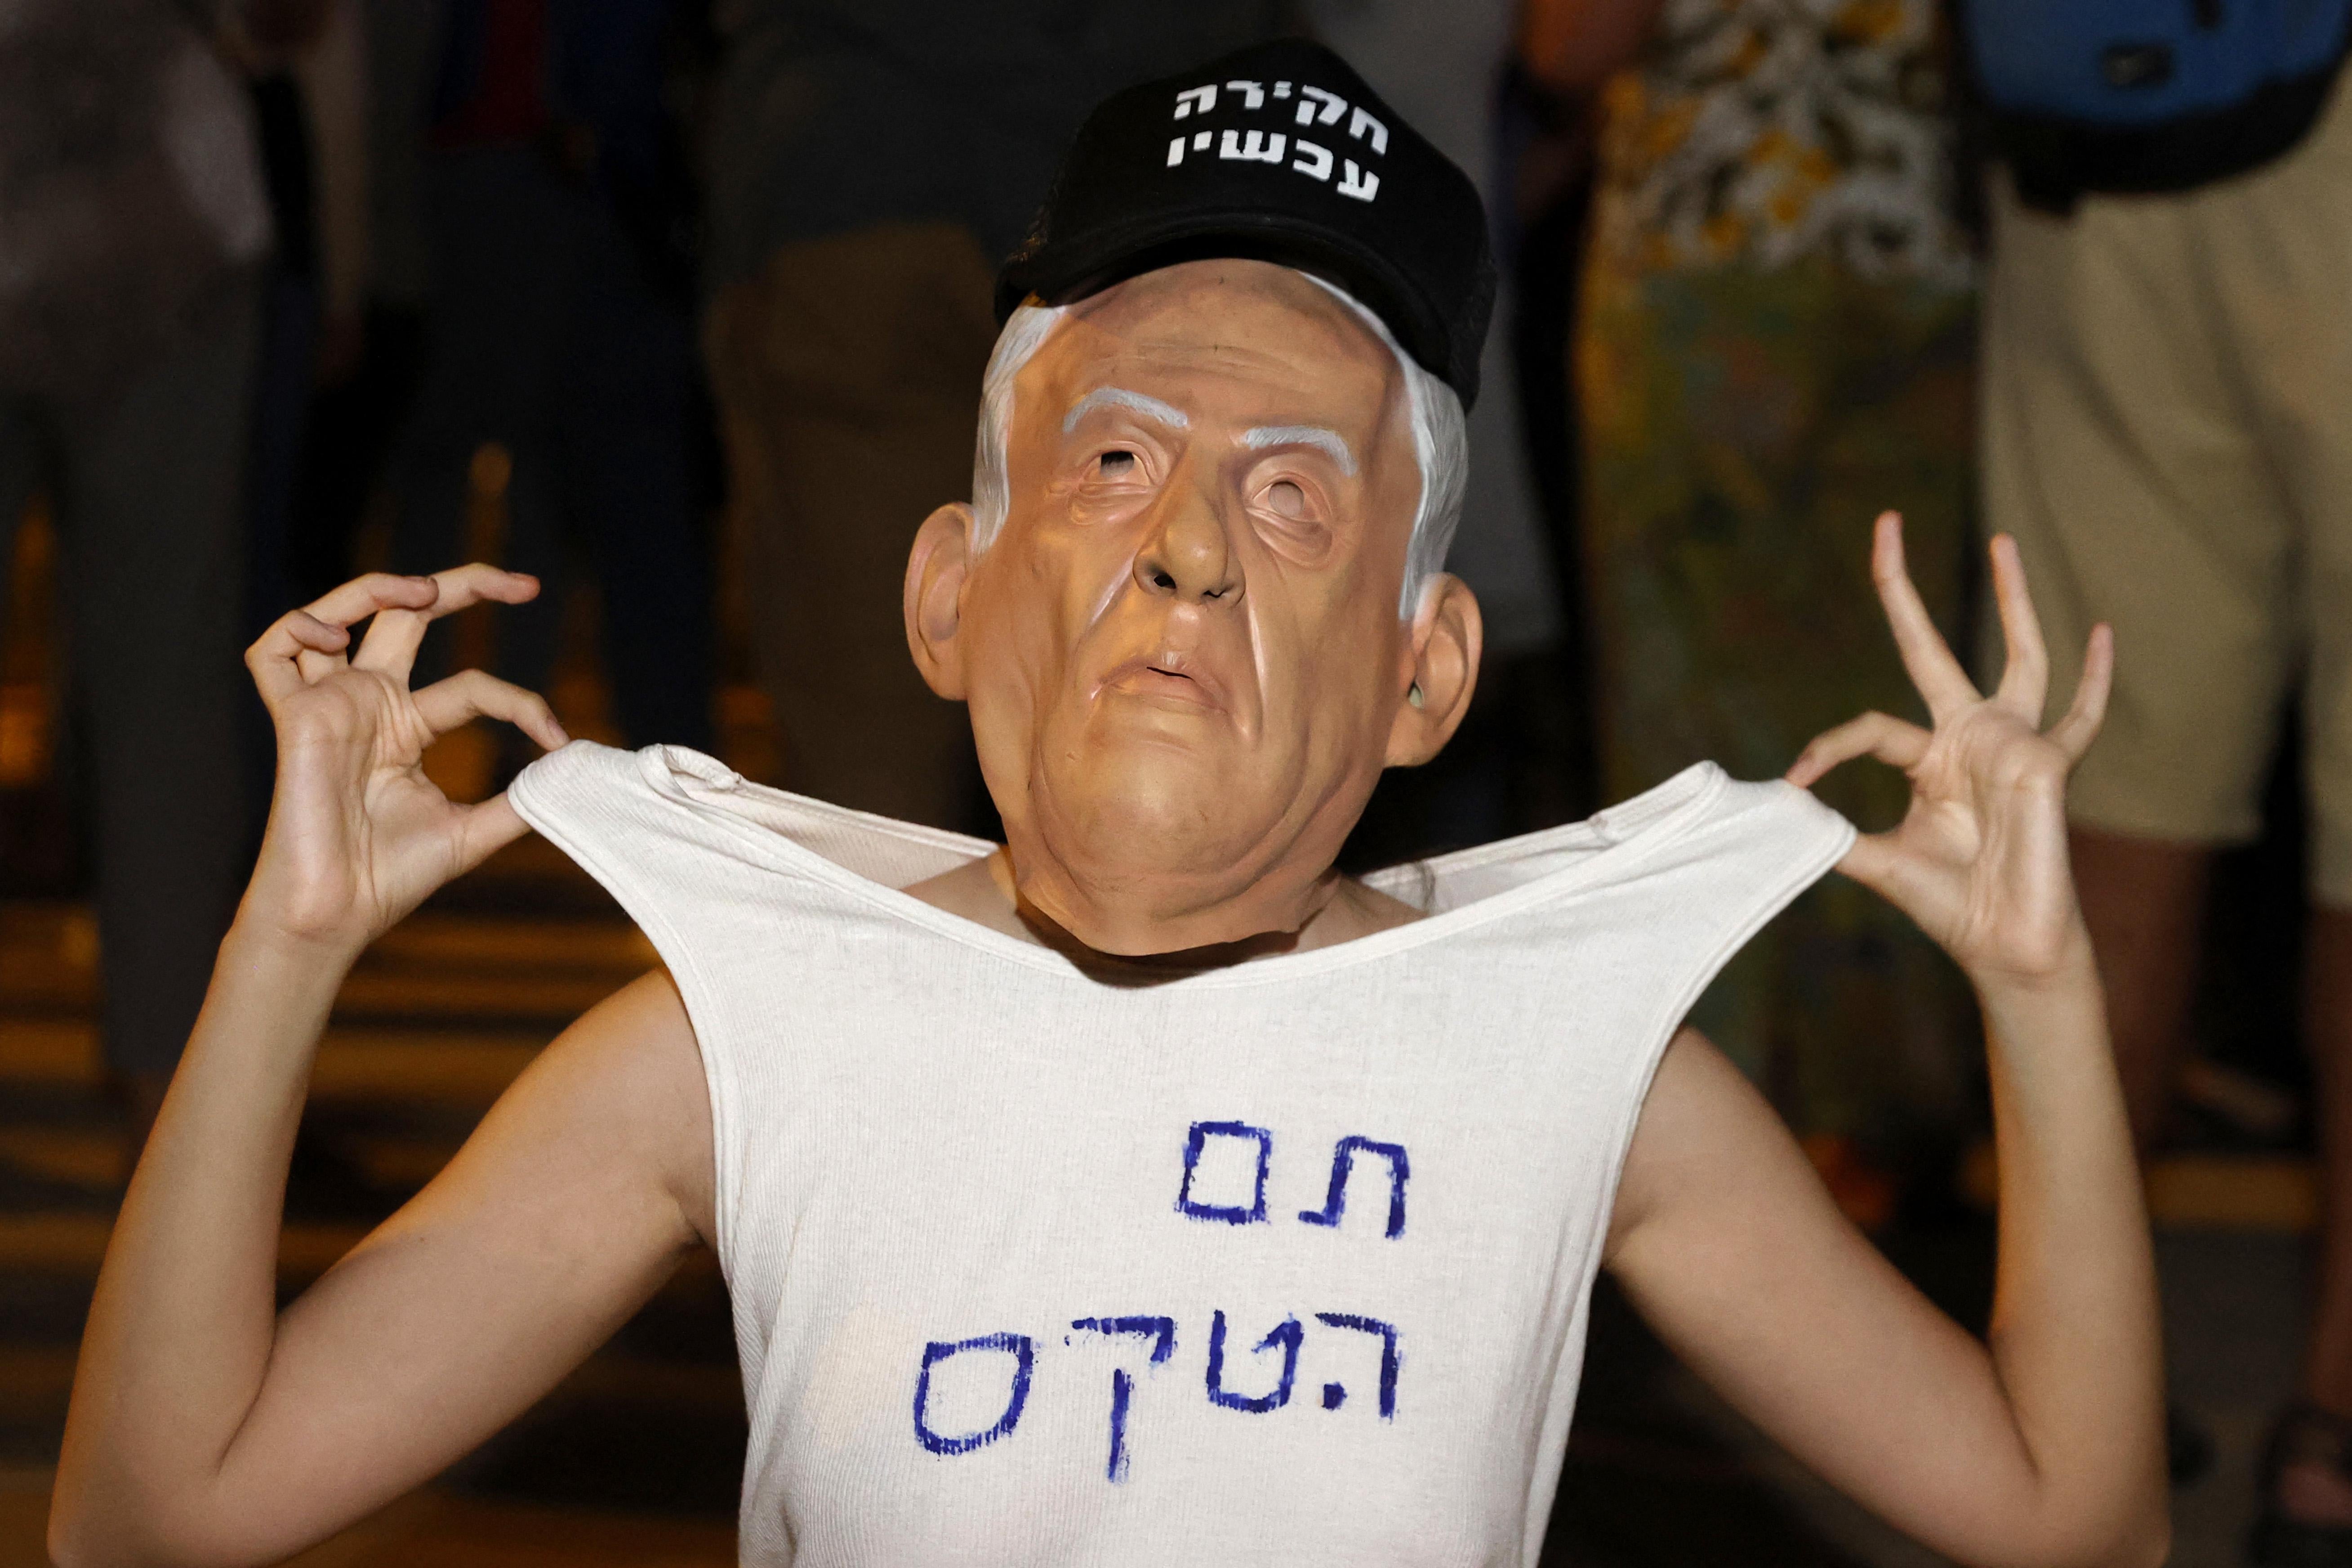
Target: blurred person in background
(370, 363)
(559, 223)
(304, 68)
(2168, 435)
(1443, 66)
(305, 61)
(1775, 339)
(133, 228)
(871, 162)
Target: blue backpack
(2143, 96)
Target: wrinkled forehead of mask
(1434, 414)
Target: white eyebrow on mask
(1150, 408)
(1329, 442)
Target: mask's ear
(1447, 638)
(937, 569)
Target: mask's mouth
(1166, 678)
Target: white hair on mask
(1024, 333)
(1440, 443)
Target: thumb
(483, 830)
(1879, 862)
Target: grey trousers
(146, 491)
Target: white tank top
(1284, 1263)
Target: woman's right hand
(358, 836)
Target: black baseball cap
(1276, 153)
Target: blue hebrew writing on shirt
(1161, 1332)
(1335, 1394)
(1197, 1144)
(1024, 1353)
(1343, 1162)
(1210, 1171)
(1226, 1167)
(1287, 1335)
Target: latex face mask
(1183, 651)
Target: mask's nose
(1187, 555)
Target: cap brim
(1087, 264)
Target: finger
(1934, 671)
(2073, 733)
(477, 694)
(1884, 864)
(483, 830)
(1880, 735)
(1874, 862)
(360, 597)
(273, 658)
(392, 642)
(2025, 677)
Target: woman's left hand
(1980, 860)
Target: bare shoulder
(625, 1086)
(1725, 1241)
(1705, 1137)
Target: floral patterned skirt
(1742, 427)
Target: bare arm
(207, 1427)
(2044, 1445)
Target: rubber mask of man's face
(1182, 653)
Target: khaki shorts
(2167, 431)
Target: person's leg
(2328, 1030)
(281, 405)
(38, 844)
(465, 380)
(848, 376)
(2311, 1499)
(353, 431)
(152, 530)
(2120, 451)
(2288, 248)
(2143, 900)
(2309, 1511)
(628, 490)
(2319, 1491)
(499, 228)
(20, 475)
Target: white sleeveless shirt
(1283, 1263)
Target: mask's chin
(1152, 854)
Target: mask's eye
(1294, 516)
(1116, 465)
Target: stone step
(446, 1530)
(364, 1062)
(434, 965)
(64, 1243)
(2196, 1189)
(37, 1380)
(91, 1156)
(75, 1244)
